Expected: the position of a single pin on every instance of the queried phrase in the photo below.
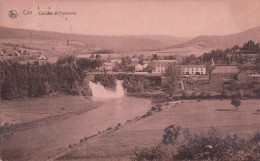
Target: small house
(139, 68)
(108, 66)
(43, 59)
(134, 60)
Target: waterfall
(99, 91)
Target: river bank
(46, 140)
(23, 114)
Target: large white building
(162, 65)
(193, 69)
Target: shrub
(149, 113)
(211, 146)
(204, 146)
(171, 134)
(109, 128)
(157, 153)
(203, 95)
(209, 95)
(226, 94)
(158, 105)
(157, 108)
(185, 94)
(194, 94)
(256, 138)
(153, 108)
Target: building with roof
(224, 72)
(145, 65)
(116, 61)
(162, 65)
(43, 59)
(139, 68)
(108, 66)
(222, 75)
(134, 60)
(193, 69)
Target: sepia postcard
(129, 80)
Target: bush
(203, 95)
(110, 128)
(157, 153)
(171, 134)
(226, 94)
(256, 138)
(153, 108)
(194, 94)
(158, 107)
(185, 94)
(211, 146)
(149, 113)
(204, 146)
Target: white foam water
(100, 91)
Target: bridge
(127, 73)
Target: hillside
(222, 42)
(116, 43)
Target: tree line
(226, 56)
(35, 80)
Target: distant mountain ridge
(139, 42)
(222, 42)
(116, 43)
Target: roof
(225, 69)
(168, 61)
(134, 59)
(43, 57)
(145, 65)
(116, 60)
(108, 63)
(254, 75)
(139, 66)
(193, 66)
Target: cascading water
(99, 91)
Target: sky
(182, 18)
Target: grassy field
(29, 110)
(33, 126)
(197, 116)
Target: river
(45, 141)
